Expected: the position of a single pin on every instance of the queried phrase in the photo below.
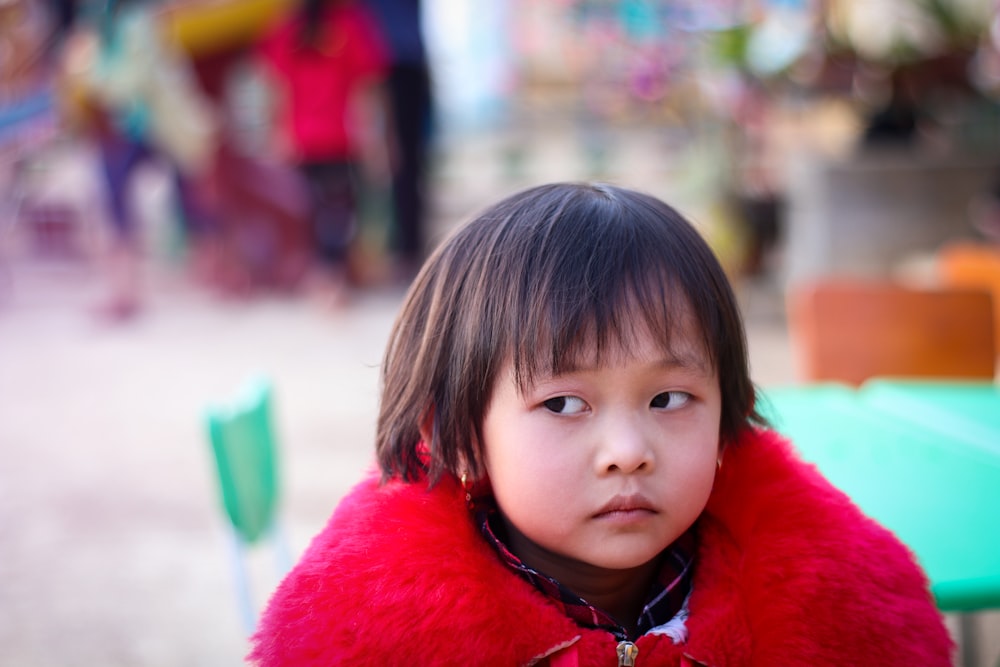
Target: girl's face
(597, 470)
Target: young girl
(573, 472)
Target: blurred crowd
(295, 133)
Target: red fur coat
(788, 572)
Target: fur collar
(788, 572)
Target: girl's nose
(624, 447)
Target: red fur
(789, 572)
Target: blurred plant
(900, 32)
(779, 39)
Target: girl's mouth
(632, 506)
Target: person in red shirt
(328, 61)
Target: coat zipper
(627, 651)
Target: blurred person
(328, 63)
(411, 119)
(143, 104)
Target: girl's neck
(621, 594)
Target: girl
(573, 472)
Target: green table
(922, 459)
(969, 411)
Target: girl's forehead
(681, 344)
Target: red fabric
(565, 659)
(320, 83)
(788, 573)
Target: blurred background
(166, 235)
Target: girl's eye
(565, 405)
(670, 400)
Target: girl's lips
(631, 505)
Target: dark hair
(313, 28)
(532, 280)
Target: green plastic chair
(246, 455)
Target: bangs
(600, 281)
(589, 328)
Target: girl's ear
(427, 425)
(427, 436)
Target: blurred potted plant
(916, 63)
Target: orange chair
(852, 330)
(973, 265)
